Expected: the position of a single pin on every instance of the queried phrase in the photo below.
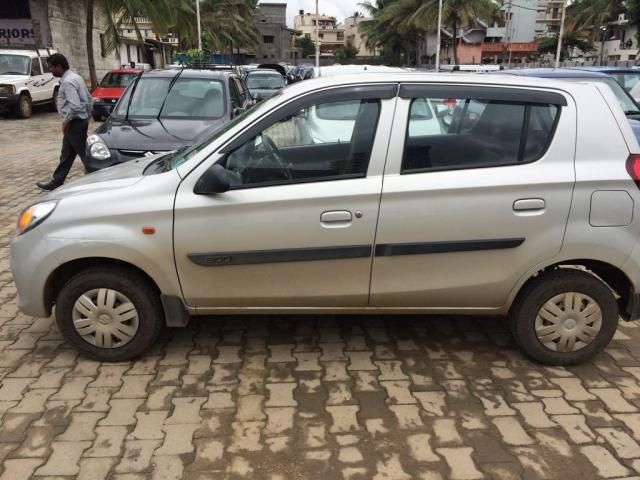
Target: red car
(106, 95)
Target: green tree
(307, 45)
(590, 15)
(346, 53)
(570, 40)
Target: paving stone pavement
(304, 397)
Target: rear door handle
(527, 204)
(336, 216)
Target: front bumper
(102, 109)
(8, 102)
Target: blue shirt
(74, 100)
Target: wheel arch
(64, 272)
(611, 275)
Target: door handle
(336, 216)
(528, 204)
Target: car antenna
(133, 91)
(171, 84)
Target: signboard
(16, 32)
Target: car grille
(130, 154)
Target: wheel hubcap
(105, 318)
(568, 322)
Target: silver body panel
(547, 204)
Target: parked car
(627, 103)
(110, 89)
(164, 110)
(628, 77)
(513, 211)
(263, 83)
(25, 80)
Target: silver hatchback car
(483, 195)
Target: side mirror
(237, 111)
(214, 180)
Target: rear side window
(459, 133)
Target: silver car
(475, 194)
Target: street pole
(564, 10)
(198, 21)
(438, 36)
(317, 41)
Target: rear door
(470, 206)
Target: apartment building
(353, 37)
(330, 35)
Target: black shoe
(50, 185)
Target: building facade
(353, 37)
(277, 41)
(330, 35)
(549, 16)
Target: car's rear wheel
(109, 314)
(564, 317)
(98, 118)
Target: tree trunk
(455, 42)
(89, 37)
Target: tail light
(633, 168)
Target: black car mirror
(214, 180)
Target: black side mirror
(214, 180)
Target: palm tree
(230, 23)
(591, 15)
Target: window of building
(458, 133)
(307, 35)
(320, 35)
(340, 36)
(267, 39)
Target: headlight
(96, 99)
(7, 89)
(34, 215)
(97, 148)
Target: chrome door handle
(336, 216)
(526, 204)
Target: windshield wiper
(133, 91)
(632, 112)
(169, 157)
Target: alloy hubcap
(105, 318)
(568, 322)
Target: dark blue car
(628, 104)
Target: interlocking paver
(279, 397)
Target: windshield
(630, 81)
(113, 79)
(258, 108)
(14, 64)
(270, 82)
(627, 103)
(189, 97)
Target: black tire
(24, 109)
(132, 285)
(97, 118)
(54, 100)
(544, 288)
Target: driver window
(328, 141)
(35, 67)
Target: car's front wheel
(564, 317)
(109, 313)
(24, 107)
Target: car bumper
(102, 109)
(9, 101)
(32, 263)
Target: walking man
(74, 106)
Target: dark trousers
(73, 143)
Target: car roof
(555, 73)
(189, 73)
(27, 52)
(263, 71)
(606, 69)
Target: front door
(471, 206)
(297, 227)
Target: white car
(25, 80)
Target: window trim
(523, 137)
(481, 92)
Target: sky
(335, 8)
